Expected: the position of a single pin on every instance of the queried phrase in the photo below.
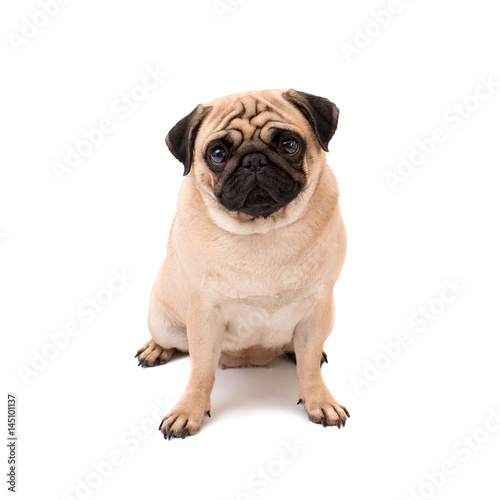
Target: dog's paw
(182, 421)
(325, 410)
(151, 354)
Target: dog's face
(253, 154)
(259, 175)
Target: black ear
(321, 113)
(180, 140)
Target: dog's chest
(267, 321)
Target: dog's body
(255, 249)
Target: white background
(61, 240)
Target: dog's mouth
(259, 202)
(259, 194)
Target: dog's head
(254, 153)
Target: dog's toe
(182, 422)
(151, 354)
(325, 411)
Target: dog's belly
(259, 328)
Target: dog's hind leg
(167, 335)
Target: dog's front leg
(205, 331)
(308, 339)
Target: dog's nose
(254, 160)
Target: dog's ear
(321, 113)
(180, 140)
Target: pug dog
(255, 249)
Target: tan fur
(242, 290)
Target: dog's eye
(218, 155)
(289, 146)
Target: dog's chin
(258, 202)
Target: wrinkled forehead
(247, 117)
